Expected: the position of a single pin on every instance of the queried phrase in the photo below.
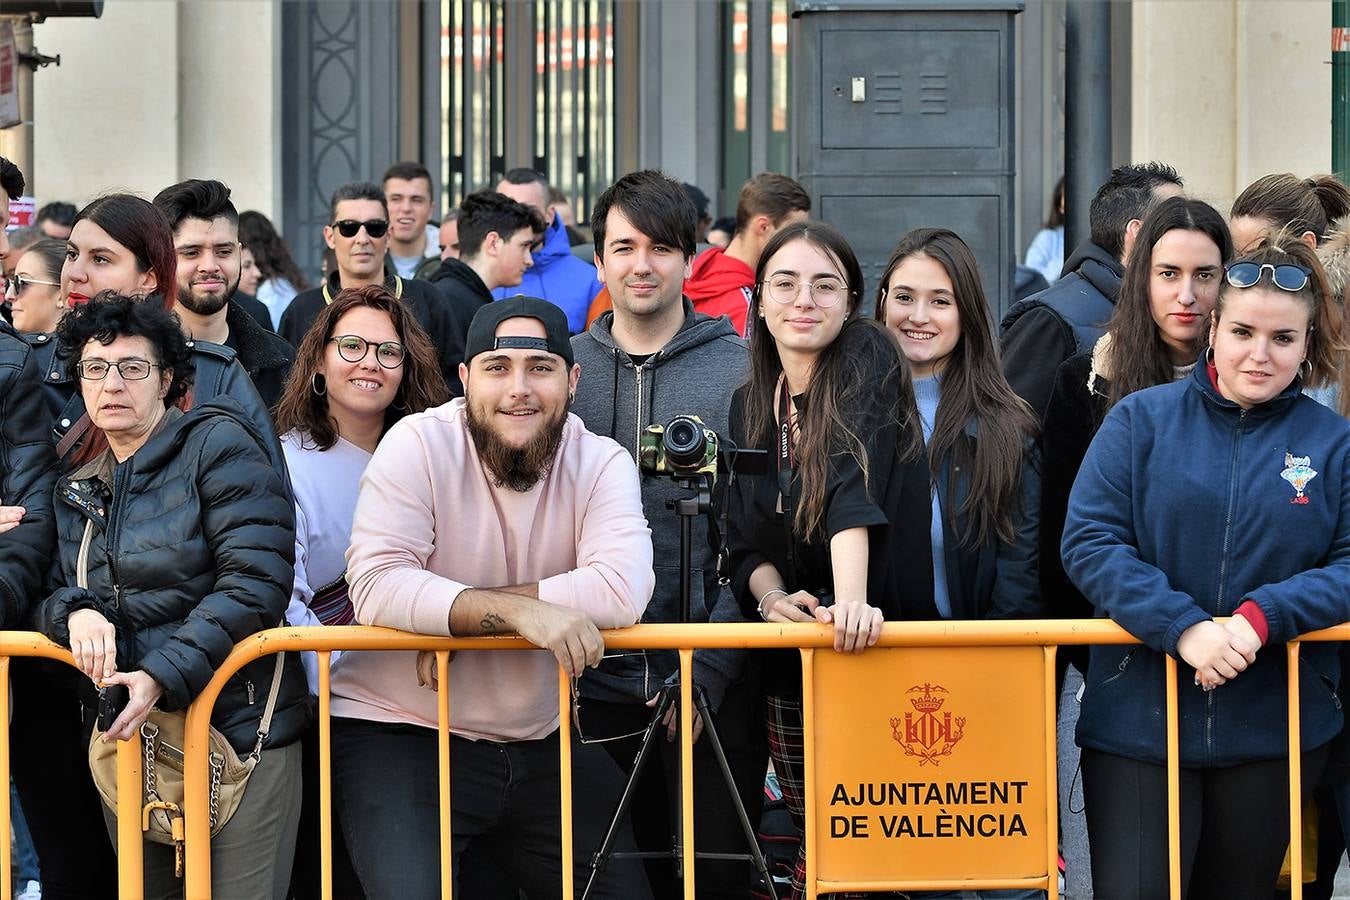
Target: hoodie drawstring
(614, 400)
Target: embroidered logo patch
(1298, 473)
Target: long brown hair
(861, 377)
(423, 385)
(974, 391)
(1137, 357)
(1325, 343)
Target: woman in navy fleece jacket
(1225, 494)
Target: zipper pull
(248, 686)
(117, 596)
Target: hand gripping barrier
(809, 639)
(129, 878)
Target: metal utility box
(904, 118)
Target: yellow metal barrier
(684, 638)
(130, 882)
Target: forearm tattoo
(492, 622)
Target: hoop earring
(1209, 356)
(1306, 362)
(401, 407)
(318, 384)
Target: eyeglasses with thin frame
(374, 227)
(20, 283)
(131, 369)
(1285, 276)
(577, 725)
(825, 292)
(353, 348)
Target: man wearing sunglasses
(358, 234)
(205, 227)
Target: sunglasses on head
(1285, 276)
(374, 227)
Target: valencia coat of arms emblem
(928, 733)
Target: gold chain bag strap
(162, 741)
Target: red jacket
(720, 285)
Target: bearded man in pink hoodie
(497, 513)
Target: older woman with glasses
(174, 544)
(1225, 494)
(364, 364)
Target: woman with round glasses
(174, 544)
(1224, 494)
(838, 532)
(363, 365)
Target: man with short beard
(497, 513)
(206, 238)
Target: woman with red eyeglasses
(1223, 495)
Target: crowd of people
(442, 436)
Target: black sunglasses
(374, 227)
(1286, 276)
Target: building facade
(284, 100)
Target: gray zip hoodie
(694, 374)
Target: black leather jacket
(27, 473)
(192, 549)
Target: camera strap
(786, 460)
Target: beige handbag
(162, 740)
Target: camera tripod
(688, 509)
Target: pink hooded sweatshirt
(430, 523)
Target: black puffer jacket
(27, 471)
(193, 547)
(219, 374)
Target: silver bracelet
(767, 594)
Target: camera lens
(685, 442)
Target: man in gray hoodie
(648, 360)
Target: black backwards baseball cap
(483, 336)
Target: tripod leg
(710, 734)
(602, 856)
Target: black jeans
(655, 809)
(49, 741)
(504, 797)
(306, 875)
(1234, 826)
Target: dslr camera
(682, 448)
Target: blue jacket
(1184, 507)
(558, 277)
